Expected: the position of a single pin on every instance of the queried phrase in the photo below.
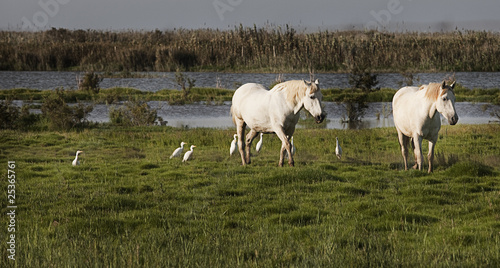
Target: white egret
(178, 151)
(188, 154)
(259, 144)
(76, 162)
(233, 145)
(338, 150)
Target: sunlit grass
(128, 204)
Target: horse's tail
(232, 113)
(234, 109)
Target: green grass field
(129, 205)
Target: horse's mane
(433, 91)
(294, 90)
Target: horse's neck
(291, 105)
(298, 107)
(428, 106)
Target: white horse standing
(273, 111)
(415, 112)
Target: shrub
(362, 83)
(90, 82)
(133, 113)
(27, 120)
(361, 78)
(9, 114)
(60, 115)
(181, 80)
(11, 117)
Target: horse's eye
(313, 97)
(445, 98)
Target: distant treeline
(267, 49)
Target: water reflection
(218, 116)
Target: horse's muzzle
(320, 118)
(453, 120)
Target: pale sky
(397, 15)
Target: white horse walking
(273, 111)
(415, 112)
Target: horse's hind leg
(250, 136)
(417, 150)
(412, 142)
(403, 143)
(240, 129)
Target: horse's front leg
(417, 150)
(285, 153)
(250, 136)
(285, 145)
(430, 155)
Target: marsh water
(218, 116)
(154, 81)
(378, 114)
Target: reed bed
(266, 49)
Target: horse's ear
(307, 83)
(443, 85)
(452, 86)
(316, 82)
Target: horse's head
(312, 101)
(445, 103)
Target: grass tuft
(473, 169)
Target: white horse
(415, 112)
(273, 111)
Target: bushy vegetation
(57, 114)
(270, 49)
(181, 80)
(129, 205)
(363, 82)
(90, 82)
(9, 114)
(133, 113)
(62, 116)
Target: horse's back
(404, 99)
(247, 98)
(404, 93)
(402, 108)
(247, 90)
